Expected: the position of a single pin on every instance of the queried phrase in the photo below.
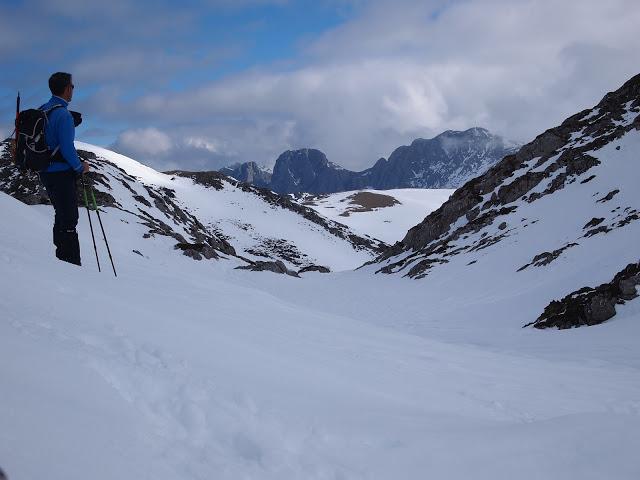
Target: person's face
(68, 92)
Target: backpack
(32, 151)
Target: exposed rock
(28, 189)
(446, 161)
(339, 230)
(553, 160)
(280, 248)
(197, 251)
(250, 173)
(588, 179)
(593, 222)
(315, 268)
(211, 179)
(608, 196)
(591, 306)
(545, 258)
(277, 267)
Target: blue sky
(205, 83)
(214, 40)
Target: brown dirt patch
(367, 202)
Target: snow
(388, 224)
(179, 369)
(245, 219)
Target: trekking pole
(86, 202)
(104, 235)
(15, 142)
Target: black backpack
(32, 151)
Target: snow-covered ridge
(565, 209)
(207, 221)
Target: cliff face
(249, 172)
(446, 161)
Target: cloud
(391, 72)
(406, 69)
(5, 131)
(206, 146)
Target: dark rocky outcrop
(315, 268)
(591, 306)
(445, 161)
(197, 251)
(211, 179)
(545, 258)
(23, 186)
(276, 267)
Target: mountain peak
(445, 161)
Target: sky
(201, 84)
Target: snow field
(184, 369)
(246, 219)
(389, 224)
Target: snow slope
(193, 370)
(561, 214)
(388, 222)
(245, 219)
(220, 215)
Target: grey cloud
(394, 71)
(206, 147)
(405, 69)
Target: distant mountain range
(446, 161)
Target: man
(59, 179)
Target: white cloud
(144, 141)
(5, 131)
(405, 69)
(206, 146)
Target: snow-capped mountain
(563, 210)
(205, 214)
(446, 161)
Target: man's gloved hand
(77, 118)
(85, 167)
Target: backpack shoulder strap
(57, 105)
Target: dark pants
(62, 190)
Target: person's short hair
(58, 82)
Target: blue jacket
(60, 131)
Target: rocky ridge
(154, 207)
(559, 157)
(445, 161)
(165, 213)
(213, 178)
